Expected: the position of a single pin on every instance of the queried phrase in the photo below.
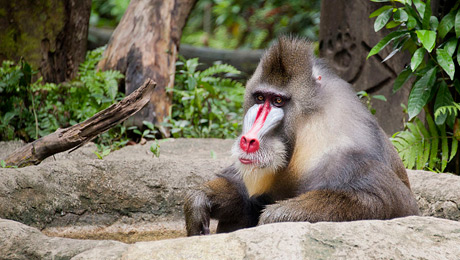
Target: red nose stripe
(249, 142)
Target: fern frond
(423, 148)
(219, 68)
(450, 110)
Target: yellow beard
(258, 181)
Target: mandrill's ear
(287, 59)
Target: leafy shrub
(30, 110)
(432, 43)
(107, 12)
(231, 24)
(205, 105)
(367, 98)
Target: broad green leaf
(450, 46)
(402, 78)
(380, 1)
(420, 93)
(380, 97)
(446, 62)
(420, 7)
(428, 38)
(427, 15)
(417, 58)
(443, 98)
(411, 22)
(447, 23)
(457, 23)
(400, 15)
(384, 42)
(435, 140)
(397, 46)
(380, 10)
(434, 23)
(382, 19)
(392, 24)
(392, 53)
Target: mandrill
(309, 151)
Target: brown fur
(329, 159)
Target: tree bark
(144, 45)
(346, 37)
(79, 134)
(51, 35)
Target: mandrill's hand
(197, 213)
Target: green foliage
(30, 110)
(3, 165)
(204, 104)
(155, 148)
(433, 44)
(252, 24)
(364, 95)
(230, 24)
(107, 12)
(423, 148)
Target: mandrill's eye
(260, 98)
(278, 101)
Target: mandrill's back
(352, 119)
(342, 146)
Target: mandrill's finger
(205, 225)
(205, 230)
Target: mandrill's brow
(271, 93)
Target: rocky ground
(132, 196)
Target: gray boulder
(131, 188)
(404, 238)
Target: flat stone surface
(404, 238)
(132, 196)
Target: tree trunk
(51, 35)
(144, 45)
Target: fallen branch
(77, 135)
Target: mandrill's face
(261, 145)
(278, 98)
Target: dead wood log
(77, 135)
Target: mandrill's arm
(222, 198)
(371, 191)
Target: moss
(8, 42)
(32, 23)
